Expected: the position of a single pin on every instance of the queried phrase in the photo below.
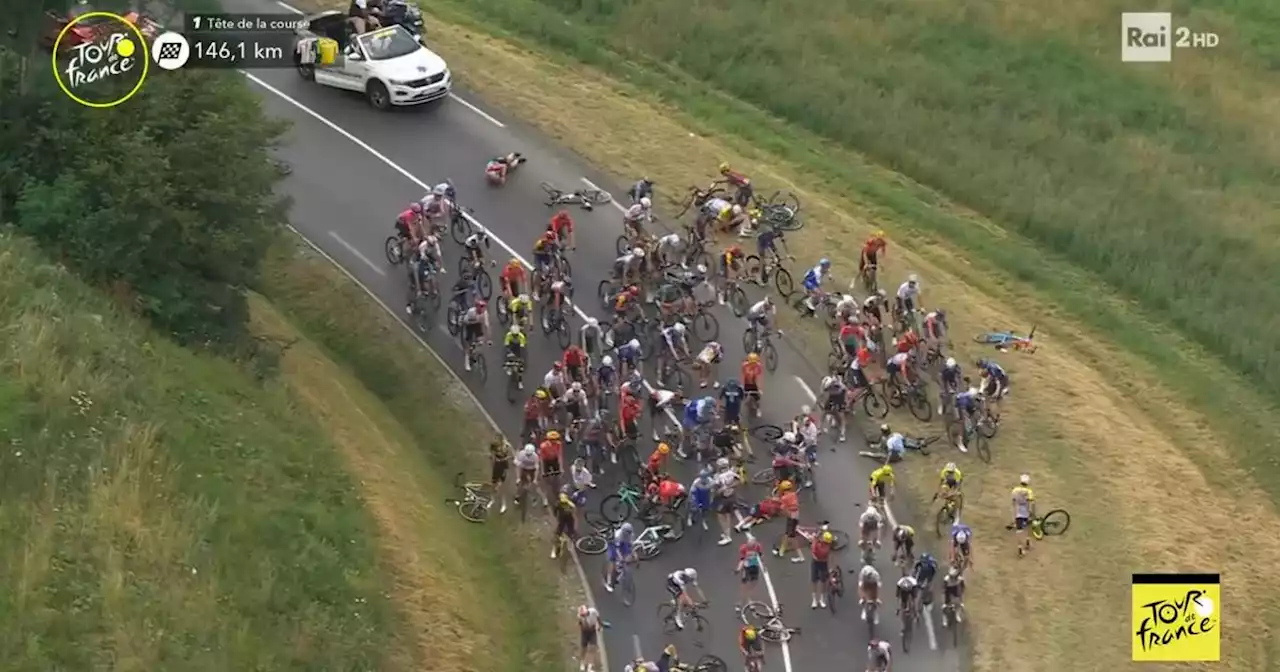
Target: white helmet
(913, 279)
(845, 298)
(737, 209)
(702, 268)
(576, 386)
(645, 202)
(871, 508)
(607, 362)
(1025, 479)
(868, 570)
(440, 190)
(593, 322)
(953, 572)
(515, 329)
(789, 437)
(722, 463)
(805, 410)
(529, 450)
(962, 537)
(679, 327)
(691, 573)
(950, 363)
(639, 252)
(973, 390)
(635, 342)
(951, 466)
(768, 300)
(524, 298)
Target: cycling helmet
(962, 537)
(736, 250)
(942, 315)
(827, 537)
(768, 300)
(701, 269)
(888, 469)
(805, 410)
(529, 450)
(705, 473)
(607, 362)
(927, 558)
(953, 572)
(753, 358)
(737, 209)
(749, 633)
(789, 437)
(541, 394)
(634, 291)
(638, 252)
(524, 298)
(678, 327)
(576, 386)
(439, 190)
(722, 463)
(825, 263)
(885, 430)
(557, 365)
(951, 466)
(871, 508)
(981, 363)
(732, 383)
(415, 208)
(879, 235)
(845, 298)
(627, 528)
(553, 435)
(724, 167)
(950, 363)
(514, 330)
(913, 279)
(691, 573)
(664, 449)
(513, 262)
(1025, 479)
(566, 489)
(593, 322)
(645, 202)
(710, 401)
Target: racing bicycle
(913, 394)
(758, 273)
(1050, 524)
(761, 344)
(768, 622)
(473, 504)
(701, 627)
(586, 198)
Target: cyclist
(496, 169)
(475, 324)
(846, 309)
(904, 542)
(819, 571)
(582, 480)
(953, 591)
(961, 552)
(515, 342)
(749, 645)
(731, 396)
(566, 517)
(907, 589)
(878, 656)
(950, 377)
(935, 327)
(871, 251)
(626, 268)
(740, 182)
(462, 289)
(835, 395)
(635, 217)
(967, 403)
(873, 307)
(907, 342)
(575, 362)
(575, 406)
(812, 284)
(551, 455)
(882, 483)
(668, 249)
(677, 343)
(731, 260)
(949, 479)
(472, 245)
(513, 278)
(589, 624)
(561, 226)
(409, 225)
(606, 374)
(555, 380)
(791, 509)
(786, 463)
(995, 380)
(657, 461)
(858, 364)
(767, 244)
(868, 589)
(761, 316)
(499, 465)
(908, 297)
(621, 549)
(752, 379)
(527, 467)
(1024, 509)
(726, 484)
(898, 370)
(591, 337)
(436, 205)
(520, 310)
(806, 426)
(924, 571)
(700, 497)
(641, 189)
(698, 415)
(629, 356)
(893, 445)
(707, 358)
(869, 524)
(678, 584)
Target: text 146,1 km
(238, 53)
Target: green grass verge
(438, 415)
(161, 510)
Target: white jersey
(582, 478)
(643, 667)
(809, 432)
(682, 578)
(870, 517)
(908, 291)
(760, 309)
(896, 443)
(627, 259)
(662, 398)
(725, 482)
(579, 396)
(849, 305)
(474, 316)
(552, 379)
(672, 335)
(589, 620)
(718, 207)
(880, 649)
(635, 214)
(526, 461)
(669, 241)
(907, 582)
(869, 574)
(900, 359)
(833, 384)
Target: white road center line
(612, 200)
(473, 108)
(361, 257)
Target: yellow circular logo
(95, 47)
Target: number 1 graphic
(196, 20)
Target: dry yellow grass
(1138, 500)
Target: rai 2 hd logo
(1177, 617)
(100, 59)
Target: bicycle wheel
(767, 432)
(1055, 522)
(459, 228)
(513, 387)
(614, 509)
(783, 283)
(592, 544)
(484, 284)
(705, 326)
(604, 291)
(677, 378)
(394, 253)
(451, 317)
(667, 617)
(479, 366)
(763, 477)
(770, 356)
(553, 195)
(756, 613)
(627, 587)
(943, 520)
(748, 340)
(982, 446)
(710, 663)
(546, 318)
(840, 541)
(622, 245)
(776, 635)
(738, 301)
(563, 337)
(504, 316)
(987, 426)
(474, 511)
(874, 405)
(597, 196)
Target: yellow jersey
(954, 474)
(515, 338)
(1023, 497)
(882, 475)
(518, 305)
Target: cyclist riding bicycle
(520, 309)
(882, 483)
(513, 278)
(731, 260)
(812, 284)
(515, 342)
(907, 591)
(924, 571)
(767, 244)
(635, 217)
(879, 658)
(761, 315)
(749, 645)
(869, 589)
(678, 584)
(872, 251)
(904, 542)
(869, 524)
(908, 296)
(952, 592)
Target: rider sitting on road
(749, 645)
(497, 168)
(562, 226)
(892, 444)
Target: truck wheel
(378, 95)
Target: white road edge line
(612, 200)
(786, 650)
(361, 257)
(928, 619)
(473, 108)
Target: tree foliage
(166, 199)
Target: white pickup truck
(390, 66)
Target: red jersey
(751, 373)
(574, 356)
(656, 461)
(669, 490)
(735, 178)
(851, 331)
(550, 450)
(751, 548)
(873, 246)
(561, 223)
(514, 273)
(908, 341)
(532, 409)
(631, 410)
(820, 550)
(864, 357)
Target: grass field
(166, 511)
(1161, 455)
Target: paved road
(355, 169)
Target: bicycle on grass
(1051, 524)
(473, 505)
(947, 514)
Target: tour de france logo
(1177, 617)
(100, 59)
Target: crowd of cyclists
(595, 396)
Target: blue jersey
(627, 353)
(732, 396)
(951, 376)
(700, 493)
(605, 374)
(697, 413)
(967, 401)
(766, 241)
(813, 278)
(957, 528)
(995, 371)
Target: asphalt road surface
(355, 169)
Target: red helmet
(558, 365)
(633, 290)
(481, 304)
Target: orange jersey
(561, 223)
(790, 503)
(751, 373)
(550, 450)
(908, 341)
(656, 460)
(874, 245)
(514, 273)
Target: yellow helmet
(784, 486)
(664, 448)
(670, 650)
(879, 235)
(565, 499)
(541, 394)
(750, 633)
(754, 358)
(827, 537)
(513, 262)
(724, 167)
(553, 435)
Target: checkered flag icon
(170, 50)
